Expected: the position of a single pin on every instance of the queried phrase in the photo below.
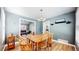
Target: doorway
(27, 26)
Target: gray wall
(12, 24)
(64, 31)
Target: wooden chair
(43, 44)
(24, 44)
(49, 40)
(10, 41)
(49, 43)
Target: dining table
(36, 39)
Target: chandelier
(42, 18)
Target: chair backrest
(10, 38)
(11, 41)
(45, 36)
(24, 44)
(22, 40)
(49, 35)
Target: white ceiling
(34, 12)
(25, 22)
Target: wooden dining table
(36, 39)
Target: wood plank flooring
(62, 47)
(55, 47)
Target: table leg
(37, 46)
(33, 45)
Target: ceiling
(34, 12)
(25, 22)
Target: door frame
(44, 26)
(20, 19)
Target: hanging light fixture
(42, 18)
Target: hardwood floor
(62, 47)
(56, 46)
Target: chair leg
(49, 46)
